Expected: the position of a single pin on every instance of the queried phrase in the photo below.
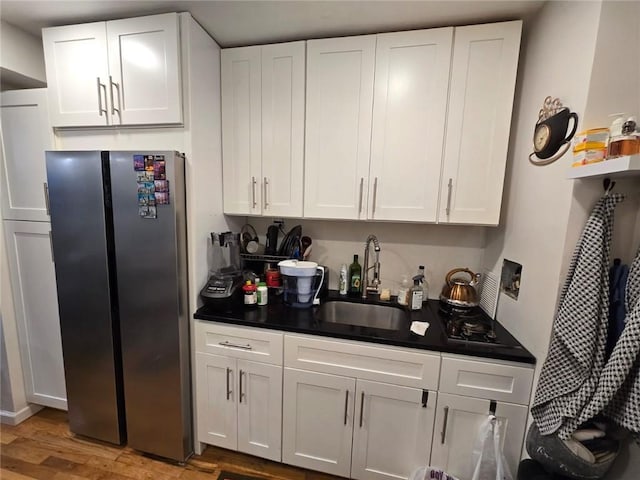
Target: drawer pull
(346, 404)
(242, 395)
(361, 408)
(443, 434)
(425, 398)
(492, 407)
(235, 345)
(228, 383)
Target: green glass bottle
(355, 278)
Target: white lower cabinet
(352, 409)
(318, 421)
(458, 419)
(239, 404)
(35, 299)
(392, 433)
(355, 428)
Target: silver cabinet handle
(450, 187)
(361, 408)
(46, 198)
(235, 345)
(375, 196)
(253, 191)
(51, 245)
(266, 186)
(228, 383)
(242, 395)
(346, 405)
(113, 105)
(443, 434)
(361, 192)
(100, 86)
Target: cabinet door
(392, 430)
(36, 307)
(457, 422)
(77, 74)
(409, 108)
(338, 126)
(26, 134)
(283, 80)
(216, 397)
(241, 130)
(144, 66)
(317, 422)
(483, 78)
(260, 409)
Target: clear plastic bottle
(403, 291)
(342, 283)
(416, 294)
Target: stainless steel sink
(363, 315)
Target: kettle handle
(458, 270)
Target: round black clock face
(541, 137)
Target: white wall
(538, 199)
(545, 212)
(21, 53)
(440, 248)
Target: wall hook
(608, 185)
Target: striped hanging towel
(576, 356)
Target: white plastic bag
(488, 460)
(430, 473)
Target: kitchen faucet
(374, 286)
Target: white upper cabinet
(77, 71)
(340, 75)
(409, 108)
(241, 130)
(121, 72)
(483, 76)
(26, 135)
(263, 129)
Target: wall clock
(550, 138)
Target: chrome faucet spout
(372, 286)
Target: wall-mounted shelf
(618, 167)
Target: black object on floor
(531, 470)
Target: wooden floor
(43, 448)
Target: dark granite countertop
(278, 316)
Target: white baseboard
(14, 418)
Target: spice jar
(250, 296)
(628, 143)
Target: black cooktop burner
(469, 326)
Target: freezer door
(151, 258)
(90, 342)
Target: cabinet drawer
(486, 379)
(254, 344)
(395, 365)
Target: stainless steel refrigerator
(119, 243)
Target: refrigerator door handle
(53, 260)
(46, 198)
